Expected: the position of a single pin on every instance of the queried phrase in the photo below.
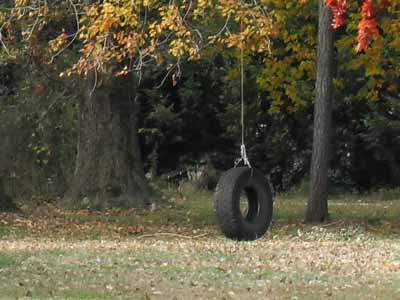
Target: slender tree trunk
(317, 207)
(108, 170)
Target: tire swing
(243, 197)
(250, 184)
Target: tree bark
(6, 203)
(108, 170)
(317, 206)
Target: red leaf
(367, 28)
(338, 8)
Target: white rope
(243, 155)
(242, 87)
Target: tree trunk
(108, 170)
(6, 203)
(317, 207)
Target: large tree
(117, 38)
(108, 170)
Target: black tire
(227, 204)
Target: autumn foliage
(367, 28)
(338, 8)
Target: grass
(6, 261)
(205, 269)
(177, 252)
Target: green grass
(189, 208)
(9, 231)
(6, 261)
(214, 267)
(351, 215)
(48, 293)
(4, 231)
(375, 213)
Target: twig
(331, 224)
(94, 85)
(172, 235)
(3, 44)
(75, 35)
(222, 29)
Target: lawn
(177, 252)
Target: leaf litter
(59, 257)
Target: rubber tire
(227, 204)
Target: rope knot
(243, 157)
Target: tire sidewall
(254, 180)
(237, 180)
